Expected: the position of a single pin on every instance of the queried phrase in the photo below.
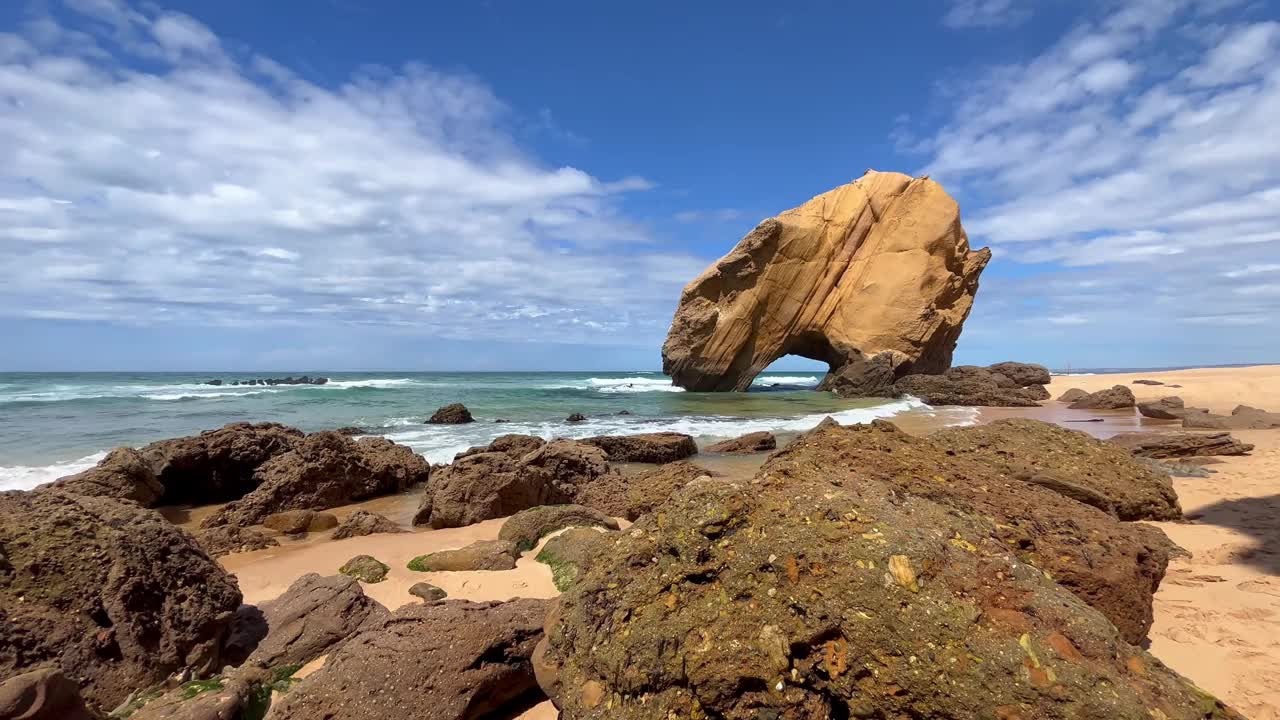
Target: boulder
(124, 474)
(860, 378)
(217, 465)
(969, 386)
(479, 555)
(1115, 567)
(363, 522)
(1017, 446)
(576, 417)
(44, 694)
(630, 496)
(311, 617)
(662, 447)
(455, 414)
(324, 471)
(1115, 398)
(1147, 382)
(365, 568)
(755, 442)
(428, 592)
(243, 693)
(880, 265)
(228, 539)
(451, 660)
(1072, 395)
(497, 484)
(571, 552)
(1022, 374)
(527, 527)
(1178, 445)
(1166, 408)
(295, 522)
(109, 592)
(516, 446)
(791, 597)
(1242, 417)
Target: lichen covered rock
(630, 496)
(479, 555)
(570, 552)
(527, 527)
(365, 568)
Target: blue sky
(351, 184)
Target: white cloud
(1245, 49)
(150, 175)
(985, 13)
(721, 215)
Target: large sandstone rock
(630, 496)
(451, 660)
(663, 447)
(1182, 444)
(878, 265)
(44, 694)
(527, 527)
(1116, 397)
(755, 442)
(796, 598)
(325, 470)
(1115, 567)
(1166, 408)
(496, 484)
(109, 592)
(363, 522)
(311, 617)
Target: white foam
(370, 383)
(25, 477)
(785, 380)
(186, 391)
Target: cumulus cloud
(1138, 151)
(151, 175)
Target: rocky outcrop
(1179, 445)
(497, 484)
(1022, 374)
(479, 555)
(452, 660)
(630, 496)
(44, 694)
(109, 592)
(880, 265)
(516, 446)
(755, 442)
(972, 386)
(1072, 395)
(662, 447)
(527, 527)
(291, 380)
(363, 522)
(571, 552)
(311, 617)
(576, 418)
(792, 597)
(365, 568)
(1116, 397)
(325, 470)
(124, 474)
(455, 414)
(1166, 408)
(228, 539)
(871, 377)
(296, 522)
(1242, 417)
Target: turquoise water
(54, 424)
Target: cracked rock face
(880, 265)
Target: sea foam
(26, 477)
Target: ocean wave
(384, 383)
(26, 477)
(805, 380)
(185, 391)
(617, 385)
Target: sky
(504, 185)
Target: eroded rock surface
(880, 265)
(527, 527)
(1114, 398)
(363, 522)
(1242, 417)
(311, 617)
(228, 539)
(630, 496)
(970, 386)
(296, 522)
(1166, 408)
(571, 552)
(661, 447)
(755, 442)
(1182, 444)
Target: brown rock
(656, 448)
(228, 539)
(1166, 408)
(746, 444)
(516, 446)
(1242, 417)
(109, 592)
(969, 386)
(428, 592)
(1178, 445)
(44, 694)
(452, 660)
(123, 474)
(455, 414)
(859, 378)
(479, 555)
(1022, 374)
(363, 522)
(311, 617)
(242, 694)
(878, 265)
(572, 552)
(527, 527)
(1147, 382)
(630, 496)
(1072, 395)
(576, 417)
(294, 522)
(325, 470)
(791, 597)
(1116, 398)
(365, 568)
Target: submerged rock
(755, 442)
(365, 568)
(576, 417)
(880, 265)
(1115, 398)
(363, 522)
(527, 527)
(479, 555)
(662, 447)
(455, 414)
(630, 496)
(1178, 445)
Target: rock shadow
(1257, 517)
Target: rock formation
(1116, 397)
(44, 694)
(1166, 408)
(228, 539)
(479, 555)
(527, 527)
(880, 265)
(630, 496)
(571, 552)
(365, 568)
(975, 386)
(746, 444)
(1242, 417)
(311, 617)
(662, 447)
(455, 414)
(363, 522)
(1182, 444)
(296, 522)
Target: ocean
(55, 424)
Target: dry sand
(1217, 613)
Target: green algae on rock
(365, 568)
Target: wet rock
(109, 592)
(630, 496)
(497, 484)
(755, 442)
(455, 414)
(576, 417)
(515, 446)
(861, 378)
(295, 522)
(527, 527)
(791, 597)
(123, 474)
(351, 431)
(1072, 395)
(1182, 444)
(1166, 408)
(1115, 398)
(44, 694)
(365, 568)
(1147, 382)
(324, 471)
(571, 552)
(428, 592)
(1242, 417)
(480, 555)
(363, 522)
(215, 383)
(311, 617)
(663, 447)
(452, 660)
(228, 539)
